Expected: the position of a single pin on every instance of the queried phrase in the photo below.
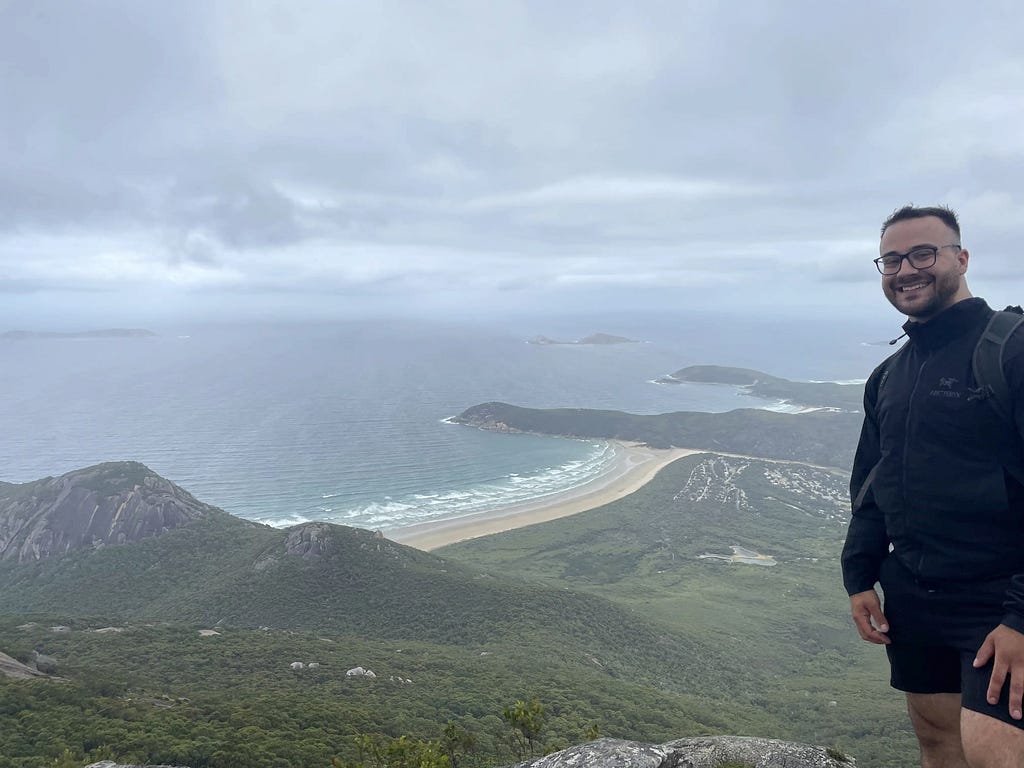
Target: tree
(527, 722)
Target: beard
(939, 294)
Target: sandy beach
(635, 466)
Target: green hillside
(611, 618)
(224, 571)
(162, 693)
(784, 642)
(819, 437)
(470, 642)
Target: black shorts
(936, 631)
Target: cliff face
(103, 505)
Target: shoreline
(634, 468)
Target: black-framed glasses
(921, 257)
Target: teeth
(907, 288)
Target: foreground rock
(697, 752)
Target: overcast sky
(183, 159)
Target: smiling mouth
(911, 288)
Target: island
(105, 333)
(594, 338)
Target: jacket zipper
(906, 445)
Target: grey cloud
(261, 146)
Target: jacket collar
(948, 324)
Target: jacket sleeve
(867, 542)
(1013, 367)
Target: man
(938, 521)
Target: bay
(345, 421)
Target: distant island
(814, 394)
(105, 333)
(595, 338)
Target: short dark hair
(942, 212)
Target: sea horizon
(350, 422)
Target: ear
(963, 258)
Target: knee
(937, 726)
(934, 731)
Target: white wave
(510, 490)
(285, 522)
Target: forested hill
(180, 647)
(213, 568)
(824, 438)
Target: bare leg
(991, 743)
(936, 721)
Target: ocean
(346, 421)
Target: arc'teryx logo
(946, 384)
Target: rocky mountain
(104, 505)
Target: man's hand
(1006, 647)
(871, 624)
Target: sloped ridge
(103, 505)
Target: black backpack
(987, 362)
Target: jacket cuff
(1014, 621)
(855, 584)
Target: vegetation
(485, 652)
(810, 393)
(167, 694)
(782, 642)
(820, 437)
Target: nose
(905, 263)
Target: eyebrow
(909, 250)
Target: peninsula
(812, 394)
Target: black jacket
(936, 454)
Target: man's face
(923, 293)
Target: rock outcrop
(697, 752)
(11, 667)
(308, 540)
(104, 505)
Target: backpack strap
(990, 377)
(987, 362)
